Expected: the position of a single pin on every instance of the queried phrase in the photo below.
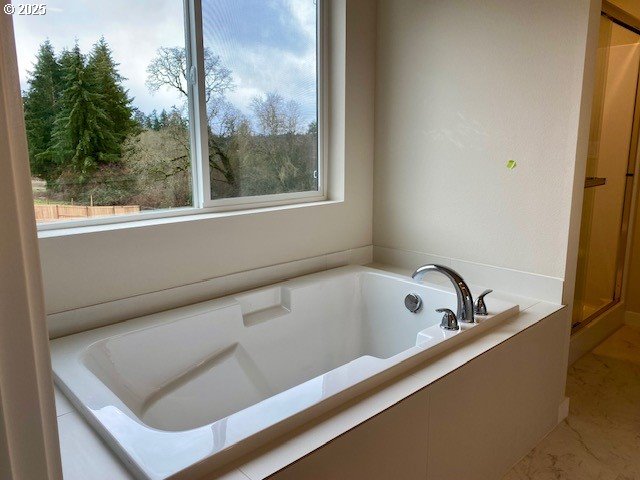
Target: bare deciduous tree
(275, 116)
(277, 155)
(169, 69)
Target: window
(155, 108)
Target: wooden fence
(47, 213)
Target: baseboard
(632, 319)
(94, 316)
(532, 285)
(587, 338)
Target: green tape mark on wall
(511, 164)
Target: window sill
(175, 216)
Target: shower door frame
(631, 23)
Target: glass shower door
(608, 184)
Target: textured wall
(462, 87)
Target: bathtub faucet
(465, 300)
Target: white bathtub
(193, 387)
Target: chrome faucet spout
(463, 292)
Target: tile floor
(601, 437)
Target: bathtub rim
(410, 358)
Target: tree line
(89, 142)
(77, 113)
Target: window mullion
(197, 105)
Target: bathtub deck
(85, 456)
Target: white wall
(462, 87)
(91, 268)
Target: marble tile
(337, 259)
(320, 432)
(440, 281)
(548, 289)
(382, 448)
(233, 475)
(601, 437)
(63, 406)
(94, 316)
(498, 405)
(84, 455)
(622, 345)
(532, 285)
(406, 258)
(361, 255)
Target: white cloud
(304, 12)
(136, 29)
(260, 67)
(290, 75)
(133, 30)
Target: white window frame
(201, 188)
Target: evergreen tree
(117, 104)
(312, 129)
(40, 107)
(163, 121)
(154, 123)
(83, 132)
(140, 118)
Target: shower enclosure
(613, 146)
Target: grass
(44, 201)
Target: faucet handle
(480, 307)
(449, 320)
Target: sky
(269, 45)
